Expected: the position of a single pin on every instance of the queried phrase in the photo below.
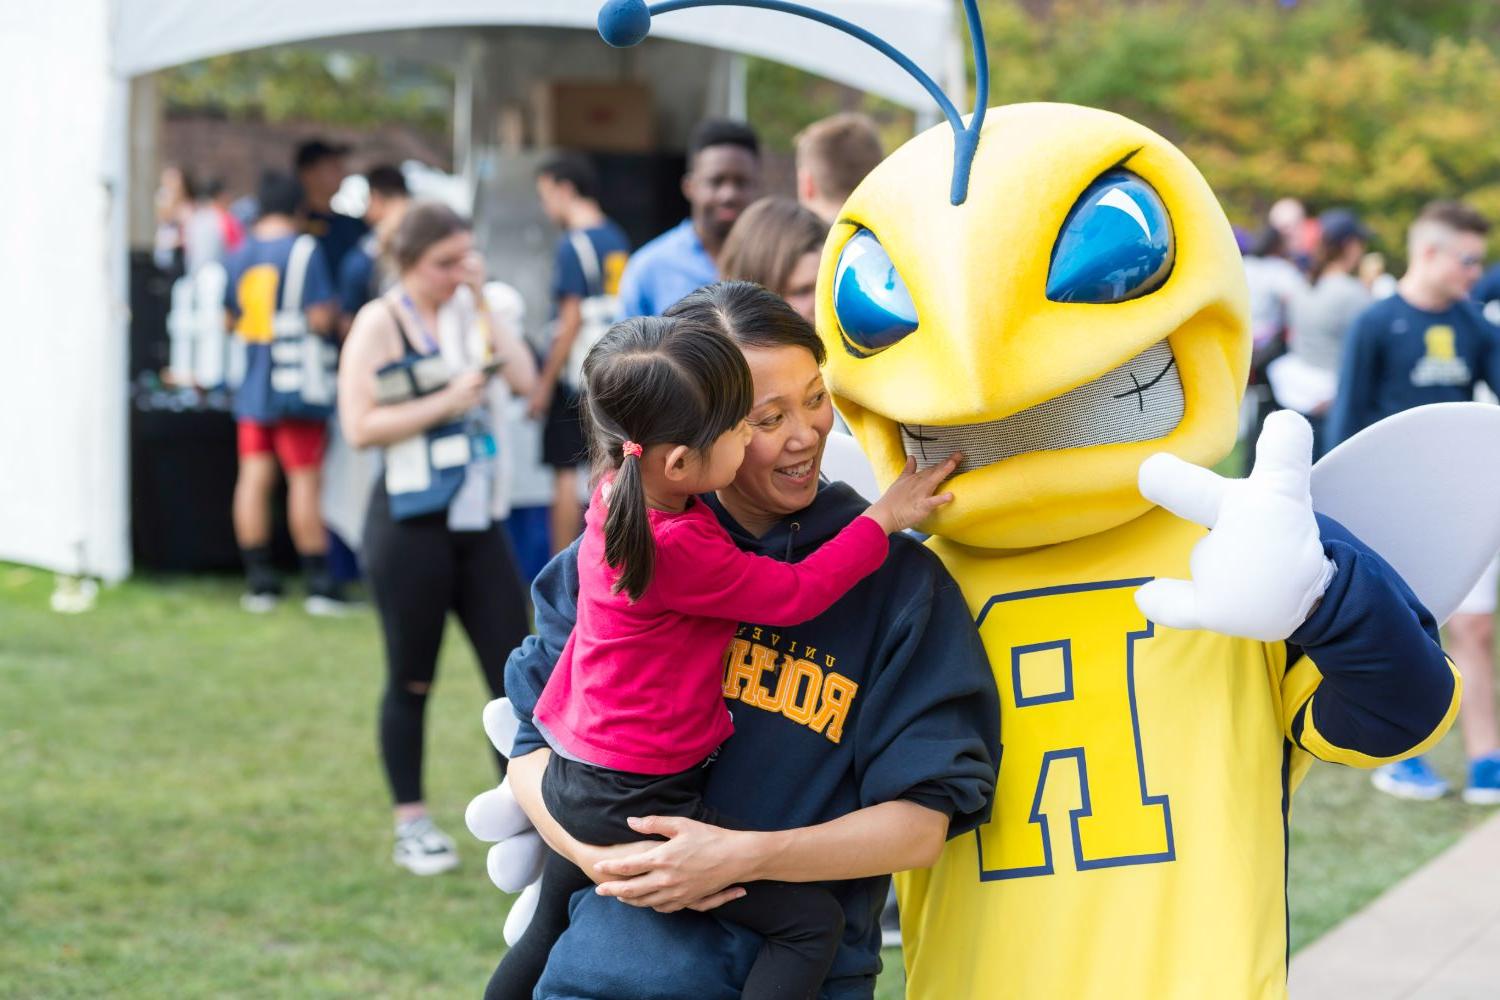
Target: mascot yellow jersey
(1080, 310)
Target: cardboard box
(594, 117)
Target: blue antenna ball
(623, 23)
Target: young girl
(634, 710)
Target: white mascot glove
(494, 816)
(1261, 569)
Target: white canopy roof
(66, 66)
(152, 34)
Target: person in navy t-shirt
(320, 171)
(360, 276)
(1430, 343)
(568, 188)
(268, 435)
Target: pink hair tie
(631, 449)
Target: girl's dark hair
(425, 223)
(654, 380)
(768, 240)
(750, 316)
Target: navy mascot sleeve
(1386, 690)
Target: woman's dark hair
(654, 380)
(750, 316)
(1329, 249)
(768, 240)
(425, 223)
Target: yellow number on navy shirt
(1071, 766)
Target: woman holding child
(865, 722)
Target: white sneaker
(423, 849)
(328, 606)
(259, 602)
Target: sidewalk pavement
(1433, 936)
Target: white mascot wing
(1422, 488)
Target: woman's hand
(541, 399)
(696, 868)
(465, 391)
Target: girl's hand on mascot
(913, 496)
(695, 868)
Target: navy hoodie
(916, 717)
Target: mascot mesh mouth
(1138, 401)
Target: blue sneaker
(1410, 779)
(1484, 780)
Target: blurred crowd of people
(1346, 344)
(428, 354)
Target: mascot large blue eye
(1116, 243)
(871, 301)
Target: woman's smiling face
(791, 418)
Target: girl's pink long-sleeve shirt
(639, 686)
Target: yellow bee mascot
(1054, 292)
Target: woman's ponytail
(628, 544)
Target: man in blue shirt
(359, 277)
(1429, 343)
(568, 187)
(722, 179)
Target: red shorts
(297, 444)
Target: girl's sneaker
(1484, 781)
(1410, 779)
(423, 849)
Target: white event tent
(78, 116)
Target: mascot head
(1083, 308)
(1052, 290)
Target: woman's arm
(698, 860)
(525, 777)
(364, 422)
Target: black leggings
(801, 924)
(419, 571)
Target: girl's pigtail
(628, 545)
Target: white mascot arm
(1261, 569)
(494, 816)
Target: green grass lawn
(193, 808)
